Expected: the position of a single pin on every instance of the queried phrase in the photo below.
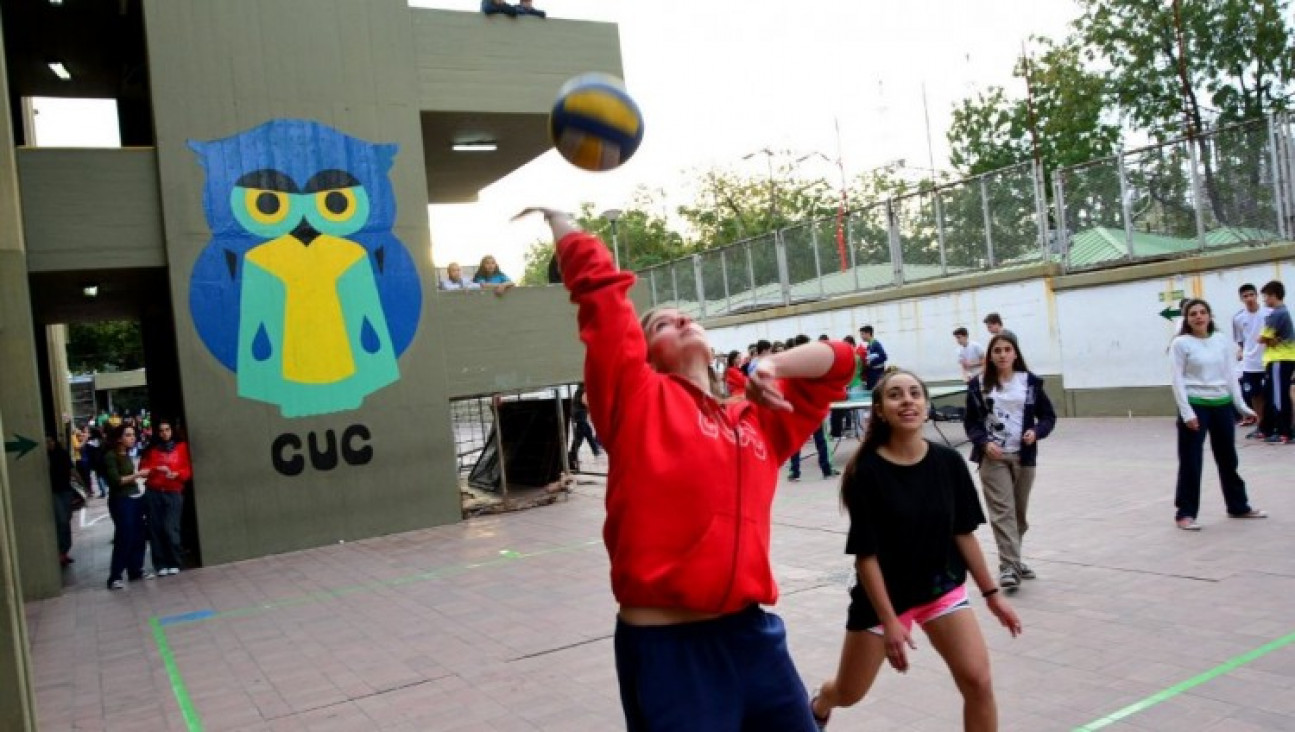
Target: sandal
(1188, 524)
(1253, 513)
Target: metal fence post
(750, 270)
(939, 232)
(1279, 197)
(1196, 193)
(818, 267)
(780, 256)
(723, 270)
(1041, 208)
(989, 225)
(674, 283)
(698, 284)
(652, 285)
(892, 236)
(1126, 209)
(1063, 224)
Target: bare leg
(956, 637)
(862, 654)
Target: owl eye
(267, 207)
(338, 205)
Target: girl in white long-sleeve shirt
(1207, 393)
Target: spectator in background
(971, 356)
(1278, 337)
(60, 481)
(168, 467)
(873, 355)
(488, 274)
(582, 429)
(1247, 325)
(994, 324)
(843, 419)
(92, 453)
(734, 379)
(820, 440)
(763, 349)
(126, 508)
(779, 346)
(454, 279)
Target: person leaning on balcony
(499, 7)
(454, 279)
(489, 276)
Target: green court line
(505, 556)
(1173, 691)
(191, 718)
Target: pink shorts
(950, 602)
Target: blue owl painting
(304, 292)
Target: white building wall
(1098, 337)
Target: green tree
(113, 345)
(1061, 107)
(644, 237)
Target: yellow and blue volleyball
(595, 124)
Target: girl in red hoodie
(689, 498)
(168, 466)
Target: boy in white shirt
(1247, 325)
(971, 355)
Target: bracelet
(989, 593)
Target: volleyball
(595, 124)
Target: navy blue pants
(1215, 423)
(730, 674)
(824, 457)
(127, 537)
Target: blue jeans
(730, 674)
(127, 537)
(824, 457)
(1216, 422)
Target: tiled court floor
(503, 623)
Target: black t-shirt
(907, 516)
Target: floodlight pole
(613, 215)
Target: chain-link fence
(1234, 186)
(1226, 188)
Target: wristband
(989, 593)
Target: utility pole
(773, 184)
(612, 215)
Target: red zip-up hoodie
(691, 481)
(177, 459)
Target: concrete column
(17, 702)
(60, 388)
(28, 484)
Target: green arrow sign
(20, 445)
(1170, 313)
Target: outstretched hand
(762, 387)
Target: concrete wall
(91, 209)
(469, 63)
(219, 69)
(20, 402)
(525, 339)
(1099, 334)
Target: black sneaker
(1025, 572)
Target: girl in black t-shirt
(913, 510)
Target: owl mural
(304, 292)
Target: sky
(719, 81)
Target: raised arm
(615, 350)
